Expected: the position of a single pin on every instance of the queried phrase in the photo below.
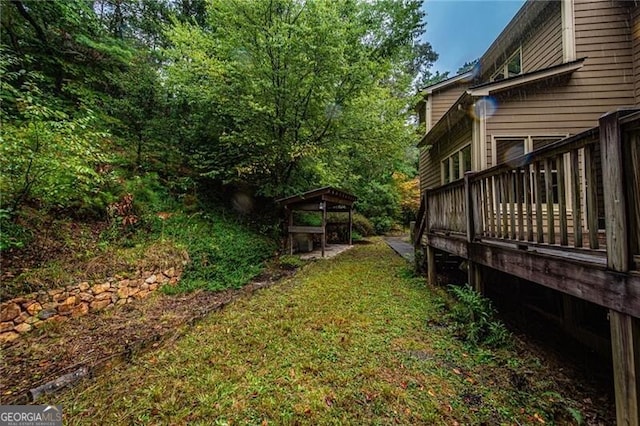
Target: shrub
(223, 253)
(477, 318)
(12, 235)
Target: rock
(86, 297)
(9, 312)
(66, 307)
(43, 297)
(80, 310)
(103, 296)
(173, 281)
(47, 313)
(121, 302)
(55, 292)
(34, 308)
(20, 300)
(8, 337)
(100, 288)
(141, 294)
(84, 286)
(23, 328)
(123, 293)
(152, 279)
(170, 273)
(56, 320)
(6, 326)
(153, 287)
(97, 305)
(135, 283)
(49, 305)
(23, 317)
(60, 296)
(32, 320)
(124, 283)
(144, 286)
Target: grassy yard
(352, 340)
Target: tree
(284, 82)
(468, 66)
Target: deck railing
(447, 210)
(554, 196)
(546, 197)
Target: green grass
(353, 340)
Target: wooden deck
(566, 216)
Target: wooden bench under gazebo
(321, 200)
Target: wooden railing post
(615, 204)
(474, 274)
(469, 207)
(625, 329)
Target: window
(455, 165)
(506, 149)
(510, 68)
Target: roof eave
(524, 79)
(453, 115)
(444, 83)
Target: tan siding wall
(636, 50)
(430, 159)
(442, 100)
(543, 48)
(604, 83)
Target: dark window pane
(509, 149)
(466, 158)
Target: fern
(476, 317)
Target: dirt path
(352, 340)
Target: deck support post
(431, 264)
(625, 329)
(474, 273)
(625, 348)
(475, 277)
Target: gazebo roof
(328, 194)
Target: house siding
(430, 158)
(635, 37)
(443, 99)
(543, 48)
(573, 104)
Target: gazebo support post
(290, 220)
(350, 224)
(323, 205)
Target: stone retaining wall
(23, 314)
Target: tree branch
(39, 32)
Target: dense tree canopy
(279, 96)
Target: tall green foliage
(297, 94)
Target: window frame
(503, 70)
(447, 167)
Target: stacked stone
(33, 311)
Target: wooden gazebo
(322, 200)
